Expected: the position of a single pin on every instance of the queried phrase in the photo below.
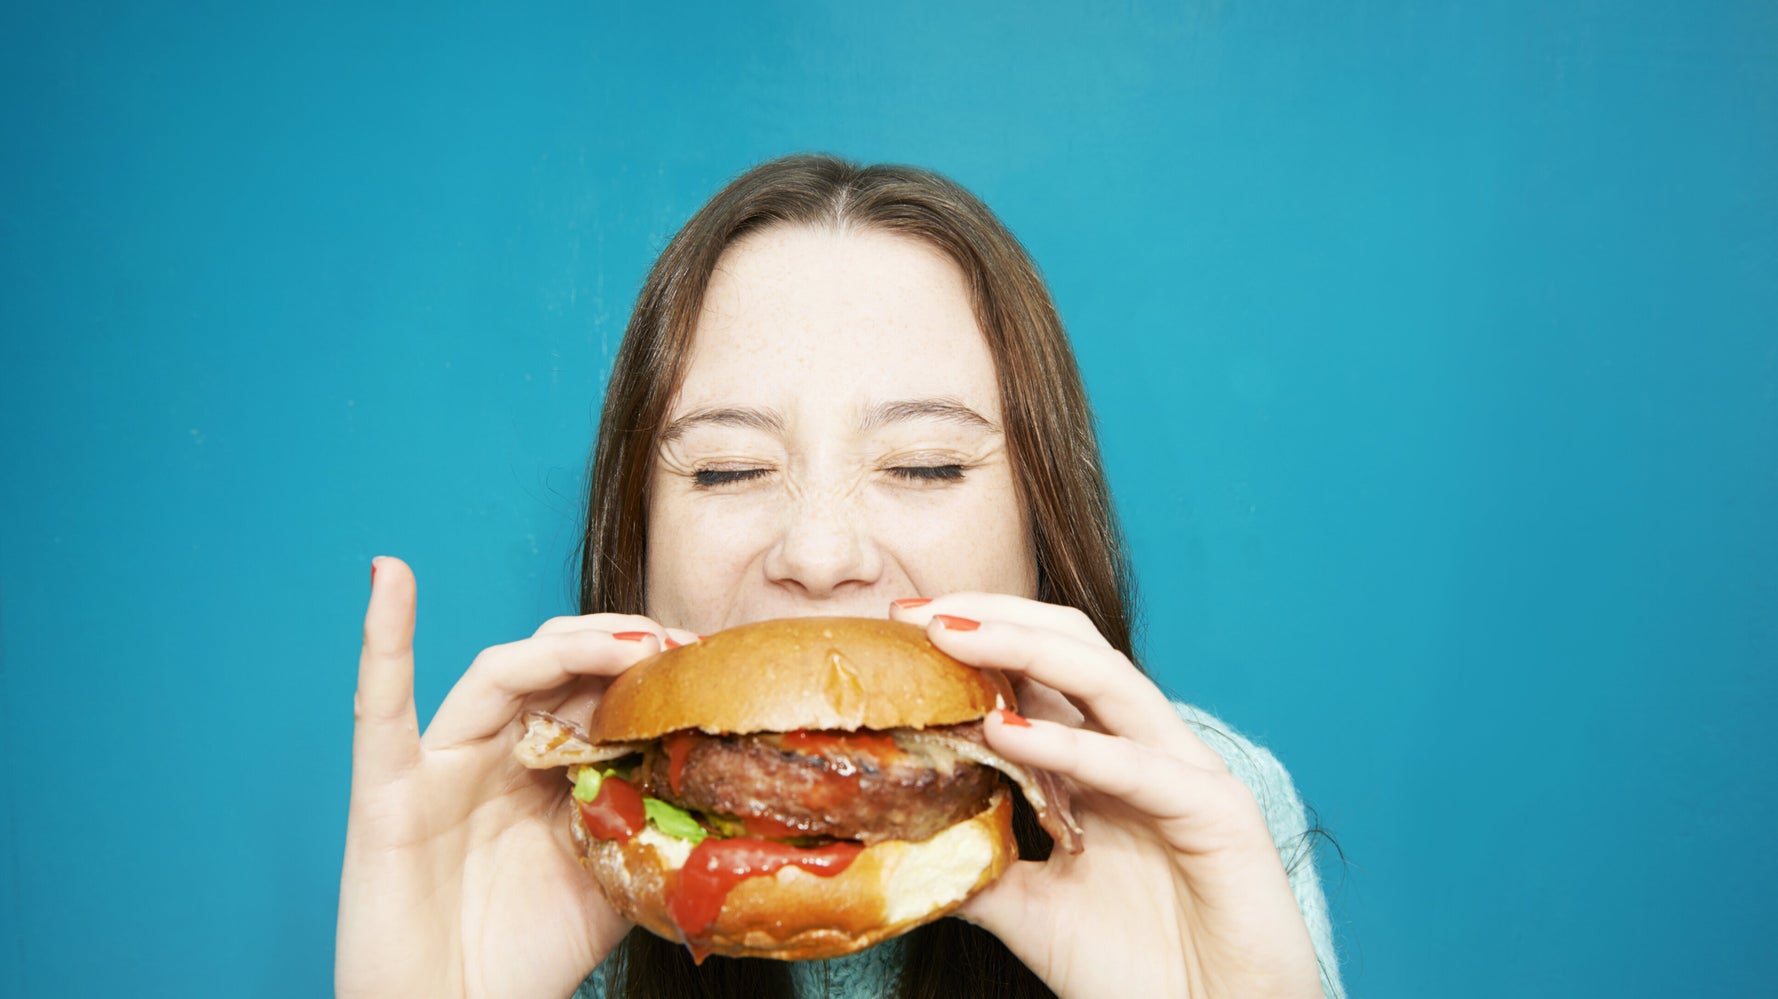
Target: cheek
(979, 541)
(697, 550)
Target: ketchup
(845, 756)
(615, 812)
(820, 743)
(717, 865)
(678, 747)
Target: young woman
(843, 390)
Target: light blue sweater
(872, 973)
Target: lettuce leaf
(586, 784)
(673, 820)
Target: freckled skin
(817, 513)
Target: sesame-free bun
(836, 673)
(793, 915)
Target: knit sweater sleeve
(1287, 820)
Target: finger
(671, 638)
(1199, 808)
(598, 622)
(677, 637)
(579, 704)
(1013, 909)
(1037, 700)
(385, 734)
(1069, 621)
(493, 690)
(1036, 903)
(1109, 690)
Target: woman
(843, 391)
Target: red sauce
(678, 747)
(717, 865)
(849, 752)
(615, 812)
(847, 743)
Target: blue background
(1435, 346)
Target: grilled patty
(869, 790)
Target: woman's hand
(460, 878)
(1180, 890)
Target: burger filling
(722, 809)
(802, 788)
(826, 785)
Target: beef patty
(862, 787)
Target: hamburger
(794, 789)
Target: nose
(824, 549)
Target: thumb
(386, 735)
(1006, 907)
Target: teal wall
(1435, 347)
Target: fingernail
(1013, 718)
(909, 603)
(954, 623)
(669, 643)
(373, 573)
(631, 636)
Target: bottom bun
(793, 915)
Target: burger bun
(818, 673)
(793, 915)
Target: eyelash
(928, 473)
(711, 478)
(715, 478)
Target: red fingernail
(631, 636)
(1012, 718)
(373, 573)
(669, 643)
(956, 623)
(909, 603)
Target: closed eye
(710, 478)
(928, 473)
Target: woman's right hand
(460, 876)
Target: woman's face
(837, 441)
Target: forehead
(796, 317)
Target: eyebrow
(767, 420)
(878, 416)
(944, 410)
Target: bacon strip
(1043, 790)
(554, 742)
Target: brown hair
(1081, 561)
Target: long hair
(1081, 559)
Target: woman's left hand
(1180, 890)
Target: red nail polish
(631, 636)
(954, 623)
(669, 643)
(1012, 718)
(373, 574)
(909, 603)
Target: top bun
(843, 673)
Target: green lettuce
(673, 820)
(586, 786)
